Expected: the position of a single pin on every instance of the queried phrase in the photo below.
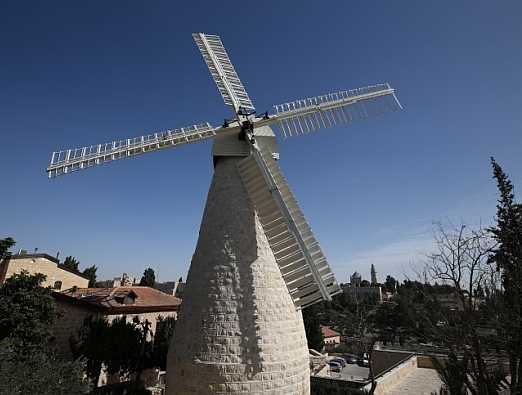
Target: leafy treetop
(5, 245)
(71, 263)
(90, 272)
(26, 309)
(149, 278)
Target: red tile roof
(329, 332)
(111, 300)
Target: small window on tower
(57, 285)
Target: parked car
(350, 358)
(340, 360)
(335, 366)
(364, 361)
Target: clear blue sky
(82, 73)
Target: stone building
(355, 279)
(373, 294)
(172, 287)
(58, 276)
(331, 338)
(124, 281)
(357, 289)
(75, 305)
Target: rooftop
(121, 300)
(329, 332)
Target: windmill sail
(306, 115)
(298, 254)
(222, 71)
(68, 161)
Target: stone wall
(69, 321)
(71, 317)
(152, 317)
(332, 386)
(384, 359)
(394, 376)
(41, 264)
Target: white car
(340, 360)
(364, 361)
(335, 366)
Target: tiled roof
(329, 332)
(121, 300)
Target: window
(57, 285)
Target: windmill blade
(68, 161)
(222, 71)
(298, 254)
(307, 115)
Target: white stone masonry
(238, 331)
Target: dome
(356, 275)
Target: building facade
(75, 305)
(172, 287)
(362, 290)
(57, 276)
(331, 338)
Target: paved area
(352, 372)
(419, 382)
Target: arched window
(57, 285)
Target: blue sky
(82, 73)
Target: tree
(373, 275)
(92, 344)
(461, 262)
(39, 372)
(129, 351)
(453, 374)
(5, 245)
(27, 362)
(90, 272)
(358, 320)
(386, 323)
(149, 278)
(164, 332)
(508, 257)
(312, 324)
(120, 346)
(390, 284)
(26, 310)
(71, 263)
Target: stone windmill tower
(257, 262)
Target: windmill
(257, 262)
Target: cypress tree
(508, 257)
